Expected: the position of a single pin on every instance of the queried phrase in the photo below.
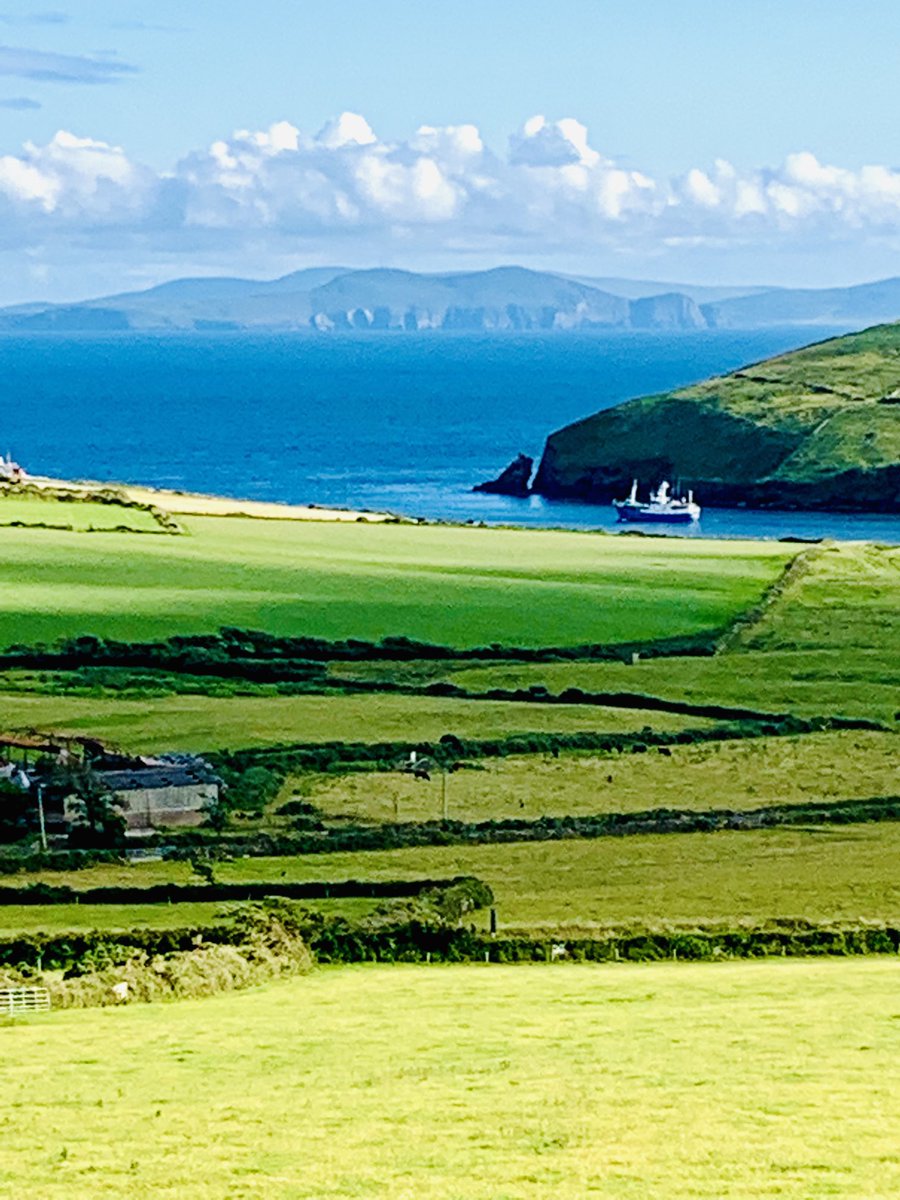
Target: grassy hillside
(454, 586)
(470, 1082)
(817, 427)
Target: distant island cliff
(818, 428)
(328, 300)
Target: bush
(265, 941)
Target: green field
(735, 1080)
(822, 874)
(828, 644)
(455, 586)
(863, 683)
(747, 774)
(66, 918)
(82, 515)
(210, 722)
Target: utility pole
(40, 801)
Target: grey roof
(161, 776)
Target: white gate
(23, 1000)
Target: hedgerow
(267, 656)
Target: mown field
(451, 585)
(741, 775)
(479, 1083)
(196, 722)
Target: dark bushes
(325, 756)
(257, 655)
(467, 890)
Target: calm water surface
(403, 422)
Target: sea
(394, 421)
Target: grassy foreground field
(478, 1083)
(455, 586)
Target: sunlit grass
(735, 1080)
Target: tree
(98, 819)
(16, 808)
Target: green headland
(818, 428)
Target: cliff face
(508, 298)
(817, 428)
(330, 299)
(672, 310)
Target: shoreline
(200, 504)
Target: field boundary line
(793, 573)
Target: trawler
(662, 507)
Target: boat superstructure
(10, 471)
(662, 507)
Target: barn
(175, 789)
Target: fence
(23, 1000)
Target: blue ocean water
(396, 421)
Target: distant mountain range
(507, 298)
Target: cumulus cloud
(283, 189)
(46, 66)
(74, 181)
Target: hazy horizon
(597, 280)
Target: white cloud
(281, 190)
(349, 129)
(542, 143)
(73, 179)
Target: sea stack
(514, 481)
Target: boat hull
(648, 516)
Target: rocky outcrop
(514, 481)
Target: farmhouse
(150, 793)
(175, 789)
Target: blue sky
(720, 142)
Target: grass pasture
(846, 872)
(736, 1080)
(825, 645)
(196, 722)
(451, 585)
(83, 516)
(69, 918)
(749, 774)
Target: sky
(697, 141)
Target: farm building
(151, 793)
(172, 790)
